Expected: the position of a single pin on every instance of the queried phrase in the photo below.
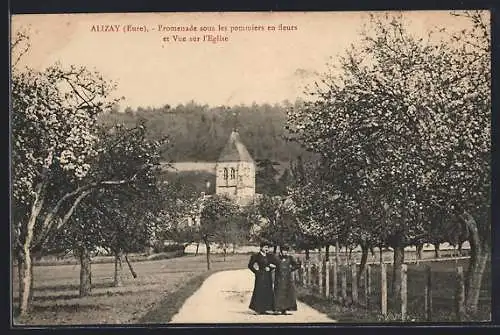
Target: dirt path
(224, 298)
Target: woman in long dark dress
(262, 266)
(285, 298)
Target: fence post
(314, 273)
(343, 280)
(327, 279)
(303, 274)
(308, 274)
(404, 291)
(383, 289)
(365, 288)
(335, 287)
(428, 295)
(354, 284)
(460, 294)
(320, 278)
(368, 284)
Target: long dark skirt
(285, 296)
(284, 288)
(263, 296)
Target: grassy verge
(168, 307)
(335, 310)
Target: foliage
(216, 217)
(281, 225)
(199, 132)
(159, 247)
(376, 130)
(265, 177)
(179, 217)
(54, 142)
(120, 218)
(240, 227)
(131, 209)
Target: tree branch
(72, 209)
(86, 99)
(21, 36)
(81, 192)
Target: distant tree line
(198, 132)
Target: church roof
(235, 150)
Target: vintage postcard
(251, 168)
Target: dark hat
(263, 244)
(285, 247)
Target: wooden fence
(340, 283)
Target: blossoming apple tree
(404, 120)
(56, 154)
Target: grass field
(443, 295)
(154, 296)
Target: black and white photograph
(306, 168)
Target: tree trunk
(197, 247)
(26, 260)
(118, 269)
(130, 267)
(399, 258)
(85, 271)
(151, 243)
(234, 248)
(362, 264)
(20, 269)
(207, 245)
(437, 253)
(475, 277)
(479, 254)
(224, 250)
(25, 273)
(307, 254)
(327, 253)
(381, 254)
(275, 248)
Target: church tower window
(225, 174)
(233, 173)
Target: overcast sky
(251, 66)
